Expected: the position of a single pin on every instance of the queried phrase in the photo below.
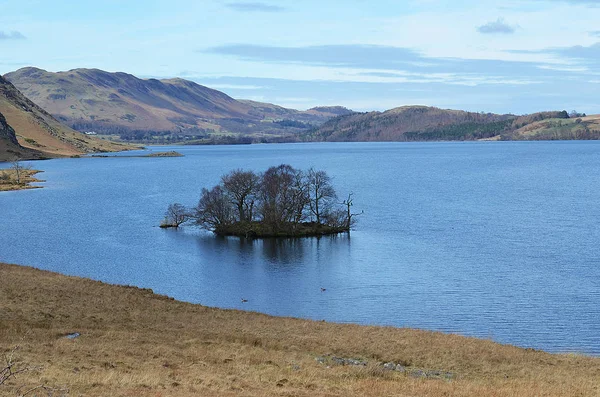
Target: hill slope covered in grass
(10, 149)
(37, 130)
(125, 105)
(131, 342)
(422, 123)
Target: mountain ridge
(424, 123)
(117, 103)
(176, 110)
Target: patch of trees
(522, 121)
(287, 123)
(281, 202)
(416, 122)
(575, 114)
(461, 132)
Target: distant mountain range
(122, 104)
(175, 110)
(422, 123)
(29, 132)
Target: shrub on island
(280, 202)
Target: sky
(486, 56)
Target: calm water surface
(495, 240)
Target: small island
(280, 202)
(18, 177)
(154, 154)
(171, 153)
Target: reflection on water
(486, 239)
(277, 252)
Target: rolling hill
(39, 132)
(176, 110)
(122, 104)
(422, 123)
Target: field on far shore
(132, 342)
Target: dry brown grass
(27, 177)
(39, 131)
(135, 343)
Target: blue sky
(513, 57)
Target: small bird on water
(244, 300)
(323, 289)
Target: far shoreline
(149, 146)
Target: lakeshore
(27, 178)
(130, 341)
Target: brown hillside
(10, 149)
(36, 129)
(422, 123)
(92, 99)
(394, 124)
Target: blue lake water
(497, 240)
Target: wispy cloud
(359, 56)
(497, 26)
(592, 3)
(237, 87)
(370, 58)
(595, 33)
(254, 7)
(583, 54)
(14, 35)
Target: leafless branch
(50, 391)
(11, 368)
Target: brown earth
(40, 133)
(135, 343)
(96, 100)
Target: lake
(496, 240)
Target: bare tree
(300, 196)
(283, 195)
(19, 169)
(321, 193)
(176, 215)
(242, 187)
(11, 367)
(348, 203)
(283, 200)
(214, 209)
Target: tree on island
(241, 187)
(281, 202)
(175, 216)
(321, 194)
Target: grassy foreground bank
(136, 343)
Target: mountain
(37, 130)
(122, 104)
(422, 123)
